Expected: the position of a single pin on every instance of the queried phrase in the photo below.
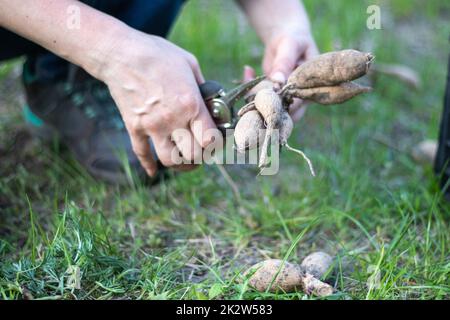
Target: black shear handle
(222, 114)
(210, 90)
(221, 104)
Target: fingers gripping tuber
(330, 95)
(249, 132)
(330, 69)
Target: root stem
(311, 168)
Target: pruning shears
(221, 103)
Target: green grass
(64, 235)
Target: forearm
(47, 23)
(270, 17)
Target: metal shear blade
(221, 103)
(239, 92)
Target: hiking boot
(81, 111)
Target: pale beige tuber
(425, 152)
(317, 264)
(280, 276)
(313, 286)
(249, 131)
(275, 275)
(269, 105)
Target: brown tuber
(330, 95)
(331, 68)
(277, 275)
(425, 152)
(314, 286)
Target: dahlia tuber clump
(325, 79)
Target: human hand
(284, 52)
(156, 87)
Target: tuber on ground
(275, 275)
(280, 276)
(425, 152)
(313, 286)
(317, 264)
(324, 79)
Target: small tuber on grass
(425, 152)
(313, 286)
(317, 264)
(265, 84)
(275, 275)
